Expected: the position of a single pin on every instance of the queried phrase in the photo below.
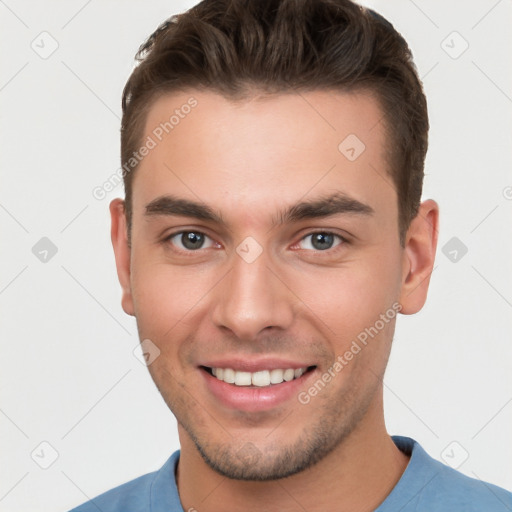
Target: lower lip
(253, 398)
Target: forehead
(258, 154)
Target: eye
(321, 241)
(190, 240)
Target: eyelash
(343, 240)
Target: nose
(252, 297)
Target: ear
(418, 257)
(119, 236)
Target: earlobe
(418, 257)
(119, 236)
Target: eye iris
(322, 241)
(192, 240)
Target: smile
(255, 385)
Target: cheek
(350, 298)
(162, 301)
(170, 304)
(164, 296)
(353, 307)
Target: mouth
(266, 387)
(260, 378)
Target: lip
(253, 398)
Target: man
(272, 231)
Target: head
(273, 218)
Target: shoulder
(132, 496)
(427, 485)
(452, 489)
(136, 495)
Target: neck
(356, 476)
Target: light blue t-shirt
(425, 486)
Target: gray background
(69, 376)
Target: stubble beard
(333, 424)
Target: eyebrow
(333, 204)
(171, 205)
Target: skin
(248, 161)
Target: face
(263, 253)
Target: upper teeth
(261, 378)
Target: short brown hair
(237, 47)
